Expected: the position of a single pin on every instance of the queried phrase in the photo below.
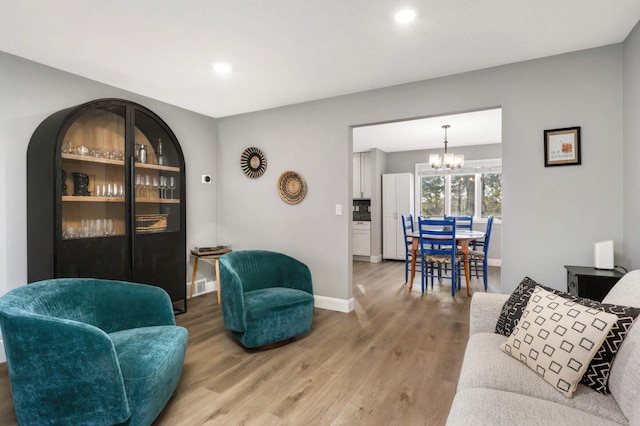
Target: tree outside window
(492, 194)
(467, 193)
(432, 194)
(463, 195)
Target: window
(474, 190)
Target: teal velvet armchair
(90, 351)
(267, 297)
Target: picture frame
(562, 147)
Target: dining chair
(481, 253)
(438, 248)
(462, 222)
(407, 228)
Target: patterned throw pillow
(597, 375)
(557, 338)
(513, 307)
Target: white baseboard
(376, 259)
(495, 262)
(333, 304)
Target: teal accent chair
(267, 297)
(90, 351)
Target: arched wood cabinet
(106, 197)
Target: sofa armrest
(484, 312)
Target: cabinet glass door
(92, 175)
(156, 177)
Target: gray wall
(552, 215)
(30, 93)
(631, 156)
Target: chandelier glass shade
(448, 160)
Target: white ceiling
(291, 51)
(472, 128)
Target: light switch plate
(338, 209)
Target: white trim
(334, 304)
(494, 262)
(376, 259)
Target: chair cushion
(440, 258)
(151, 360)
(276, 314)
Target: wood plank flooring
(394, 360)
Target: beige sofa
(495, 389)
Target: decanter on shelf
(162, 159)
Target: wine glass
(172, 185)
(163, 186)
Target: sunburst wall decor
(253, 162)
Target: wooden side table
(215, 255)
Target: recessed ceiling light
(405, 16)
(223, 68)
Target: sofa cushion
(486, 366)
(476, 406)
(557, 338)
(151, 360)
(597, 375)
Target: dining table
(463, 237)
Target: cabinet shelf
(157, 167)
(158, 200)
(82, 199)
(87, 159)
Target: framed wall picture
(562, 147)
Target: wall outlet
(206, 179)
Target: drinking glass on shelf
(138, 185)
(147, 184)
(156, 186)
(163, 187)
(120, 192)
(109, 190)
(108, 227)
(172, 185)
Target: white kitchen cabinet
(397, 200)
(362, 175)
(362, 238)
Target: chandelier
(448, 160)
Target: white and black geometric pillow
(557, 338)
(597, 375)
(513, 307)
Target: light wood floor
(395, 360)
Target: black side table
(589, 282)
